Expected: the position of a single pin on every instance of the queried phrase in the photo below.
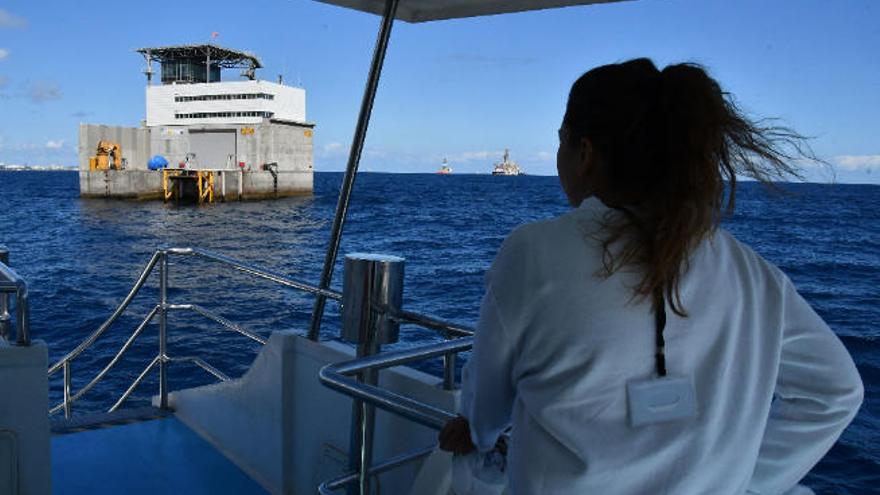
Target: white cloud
(333, 150)
(858, 163)
(4, 53)
(54, 144)
(853, 169)
(8, 20)
(375, 153)
(42, 91)
(24, 147)
(470, 156)
(544, 156)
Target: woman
(637, 295)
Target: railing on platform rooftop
(12, 284)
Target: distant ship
(507, 166)
(445, 169)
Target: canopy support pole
(354, 159)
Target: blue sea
(80, 257)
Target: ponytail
(668, 142)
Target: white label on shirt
(661, 399)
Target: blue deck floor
(150, 457)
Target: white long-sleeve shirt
(556, 345)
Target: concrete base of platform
(269, 159)
(147, 184)
(122, 184)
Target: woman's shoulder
(576, 224)
(544, 248)
(727, 249)
(536, 238)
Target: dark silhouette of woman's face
(575, 164)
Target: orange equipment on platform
(101, 160)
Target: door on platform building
(212, 148)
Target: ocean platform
(250, 137)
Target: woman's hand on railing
(455, 437)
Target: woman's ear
(591, 174)
(587, 156)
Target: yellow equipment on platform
(173, 184)
(101, 160)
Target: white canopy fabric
(434, 10)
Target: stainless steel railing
(349, 378)
(342, 378)
(12, 284)
(85, 344)
(345, 481)
(160, 310)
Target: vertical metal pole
(149, 71)
(67, 404)
(354, 159)
(5, 317)
(448, 368)
(208, 66)
(363, 421)
(23, 318)
(163, 331)
(372, 289)
(223, 186)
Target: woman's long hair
(667, 142)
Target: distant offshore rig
(505, 167)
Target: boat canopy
(433, 10)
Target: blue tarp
(158, 162)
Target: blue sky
(464, 89)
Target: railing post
(5, 317)
(67, 404)
(448, 367)
(163, 330)
(23, 318)
(372, 292)
(21, 304)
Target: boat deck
(145, 457)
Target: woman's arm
(818, 392)
(487, 387)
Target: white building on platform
(233, 102)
